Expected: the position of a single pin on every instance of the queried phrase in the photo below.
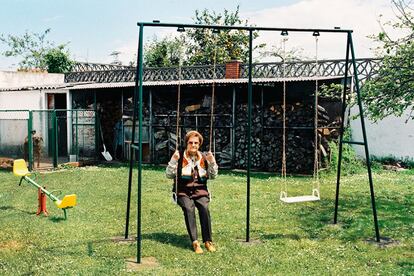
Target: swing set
(350, 66)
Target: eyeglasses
(193, 143)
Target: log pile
(192, 116)
(266, 141)
(241, 129)
(267, 138)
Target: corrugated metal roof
(197, 82)
(103, 85)
(38, 87)
(92, 85)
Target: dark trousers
(188, 205)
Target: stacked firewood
(192, 115)
(266, 133)
(267, 137)
(241, 134)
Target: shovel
(105, 153)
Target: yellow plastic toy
(20, 170)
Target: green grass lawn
(287, 239)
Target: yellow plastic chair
(68, 201)
(20, 168)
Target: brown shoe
(210, 246)
(197, 247)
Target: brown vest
(194, 186)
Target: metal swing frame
(137, 114)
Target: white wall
(13, 125)
(31, 99)
(10, 79)
(388, 137)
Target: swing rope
(315, 191)
(283, 192)
(315, 185)
(177, 127)
(213, 89)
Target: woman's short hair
(191, 134)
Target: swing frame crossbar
(350, 63)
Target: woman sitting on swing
(194, 168)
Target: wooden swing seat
(297, 199)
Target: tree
(165, 52)
(391, 92)
(37, 52)
(203, 46)
(57, 60)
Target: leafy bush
(351, 163)
(37, 53)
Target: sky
(94, 29)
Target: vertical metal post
(30, 139)
(233, 127)
(122, 124)
(77, 135)
(70, 134)
(139, 66)
(131, 150)
(261, 122)
(150, 129)
(249, 132)
(55, 138)
(341, 132)
(97, 126)
(97, 136)
(364, 134)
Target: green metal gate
(47, 138)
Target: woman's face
(193, 145)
